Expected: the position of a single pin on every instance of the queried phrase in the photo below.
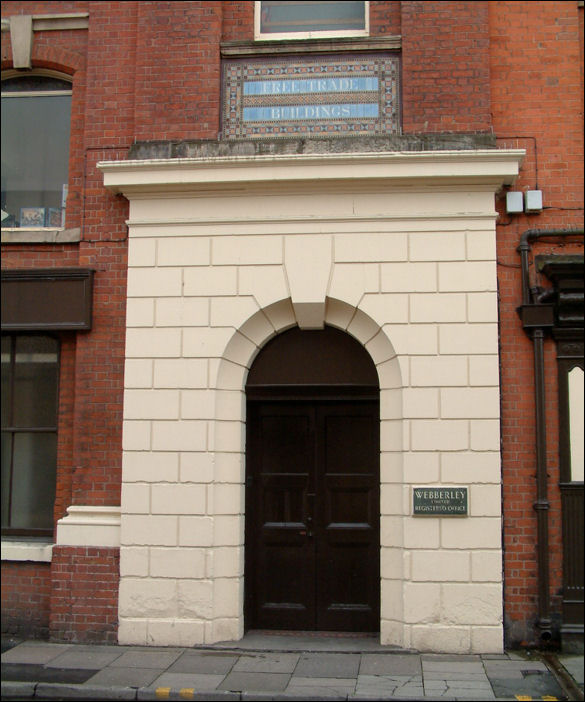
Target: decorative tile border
(323, 96)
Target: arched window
(36, 118)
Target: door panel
(279, 556)
(347, 441)
(312, 515)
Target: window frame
(19, 532)
(315, 34)
(39, 73)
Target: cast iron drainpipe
(536, 318)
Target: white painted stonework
(89, 526)
(396, 249)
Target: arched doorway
(312, 485)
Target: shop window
(36, 116)
(30, 373)
(310, 20)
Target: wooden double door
(312, 515)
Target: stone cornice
(489, 168)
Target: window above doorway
(310, 19)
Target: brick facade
(84, 595)
(501, 70)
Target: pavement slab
(27, 672)
(322, 687)
(203, 662)
(272, 682)
(381, 664)
(574, 666)
(450, 675)
(465, 667)
(157, 658)
(267, 663)
(37, 670)
(85, 658)
(384, 685)
(125, 677)
(33, 652)
(328, 665)
(188, 681)
(537, 686)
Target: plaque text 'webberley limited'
(440, 501)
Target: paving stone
(414, 691)
(26, 672)
(505, 674)
(147, 659)
(388, 680)
(203, 662)
(125, 677)
(313, 688)
(450, 658)
(452, 667)
(517, 655)
(255, 681)
(535, 686)
(90, 658)
(456, 693)
(515, 665)
(39, 653)
(574, 666)
(328, 665)
(494, 657)
(381, 664)
(185, 681)
(387, 685)
(267, 663)
(462, 684)
(450, 675)
(373, 696)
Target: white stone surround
(398, 250)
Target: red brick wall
(178, 70)
(84, 594)
(536, 103)
(445, 67)
(92, 363)
(26, 590)
(385, 18)
(237, 20)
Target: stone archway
(229, 452)
(312, 485)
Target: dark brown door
(312, 515)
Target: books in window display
(32, 217)
(41, 217)
(54, 217)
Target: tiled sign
(331, 96)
